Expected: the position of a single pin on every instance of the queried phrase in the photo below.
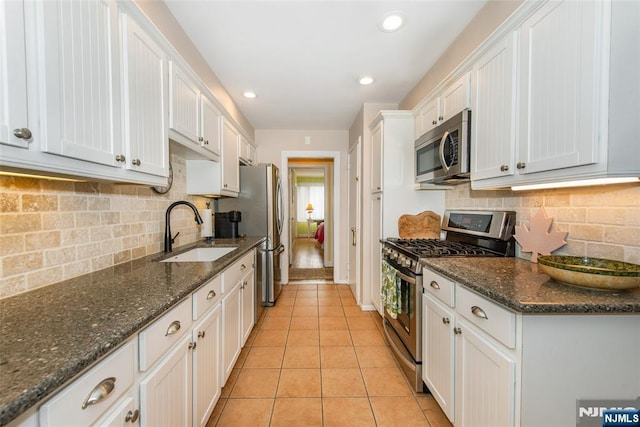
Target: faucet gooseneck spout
(168, 239)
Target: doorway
(311, 212)
(309, 185)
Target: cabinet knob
(22, 133)
(132, 416)
(200, 139)
(457, 331)
(120, 158)
(446, 320)
(211, 294)
(521, 165)
(242, 267)
(201, 334)
(136, 162)
(192, 345)
(434, 122)
(206, 142)
(504, 168)
(225, 186)
(441, 118)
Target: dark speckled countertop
(517, 284)
(50, 335)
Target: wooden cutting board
(425, 225)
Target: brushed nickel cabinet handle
(504, 168)
(446, 320)
(173, 328)
(211, 294)
(192, 345)
(457, 331)
(441, 118)
(136, 162)
(100, 392)
(521, 165)
(200, 139)
(120, 158)
(434, 122)
(22, 133)
(479, 312)
(434, 284)
(242, 267)
(201, 334)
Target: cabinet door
(206, 366)
(485, 378)
(248, 304)
(145, 90)
(126, 414)
(230, 162)
(560, 84)
(80, 80)
(210, 139)
(455, 98)
(165, 394)
(231, 323)
(427, 118)
(493, 117)
(184, 103)
(13, 74)
(375, 250)
(438, 352)
(376, 157)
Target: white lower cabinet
(485, 379)
(468, 373)
(207, 382)
(173, 371)
(166, 393)
(231, 312)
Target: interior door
(353, 263)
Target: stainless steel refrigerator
(261, 205)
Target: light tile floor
(316, 359)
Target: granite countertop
(517, 284)
(50, 335)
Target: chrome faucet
(168, 239)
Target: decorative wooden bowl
(593, 273)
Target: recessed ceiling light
(392, 21)
(249, 94)
(365, 80)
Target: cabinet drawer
(232, 275)
(439, 286)
(495, 320)
(110, 378)
(206, 297)
(156, 339)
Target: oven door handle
(406, 278)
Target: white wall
(272, 142)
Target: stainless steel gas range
(466, 234)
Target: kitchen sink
(201, 255)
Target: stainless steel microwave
(442, 154)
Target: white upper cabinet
(247, 151)
(184, 94)
(145, 100)
(13, 76)
(494, 110)
(193, 118)
(560, 86)
(79, 78)
(449, 101)
(554, 99)
(230, 162)
(455, 98)
(211, 116)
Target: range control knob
(408, 263)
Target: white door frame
(354, 264)
(335, 155)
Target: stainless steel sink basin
(200, 255)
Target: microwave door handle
(445, 166)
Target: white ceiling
(303, 58)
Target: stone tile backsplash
(54, 230)
(602, 221)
